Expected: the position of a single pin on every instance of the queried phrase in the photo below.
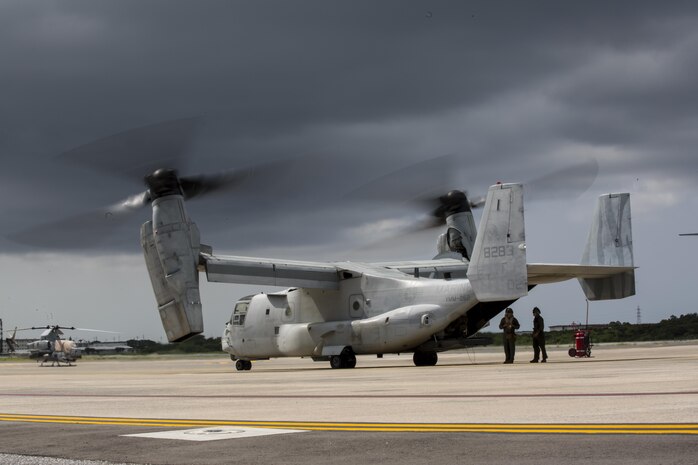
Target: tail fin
(497, 270)
(610, 242)
(11, 343)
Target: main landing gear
(243, 365)
(347, 359)
(425, 359)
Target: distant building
(104, 348)
(22, 344)
(575, 326)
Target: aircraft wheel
(248, 365)
(240, 365)
(336, 361)
(431, 359)
(350, 361)
(425, 359)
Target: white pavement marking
(13, 459)
(213, 433)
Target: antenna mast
(586, 325)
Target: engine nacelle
(171, 250)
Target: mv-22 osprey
(335, 311)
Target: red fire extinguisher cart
(582, 344)
(582, 340)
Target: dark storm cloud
(281, 65)
(363, 87)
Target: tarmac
(627, 403)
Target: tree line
(195, 345)
(683, 327)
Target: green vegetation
(195, 345)
(674, 328)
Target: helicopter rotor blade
(138, 151)
(252, 176)
(94, 330)
(95, 227)
(570, 181)
(85, 229)
(262, 192)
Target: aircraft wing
(316, 275)
(545, 273)
(271, 272)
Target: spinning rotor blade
(159, 148)
(94, 330)
(416, 183)
(72, 328)
(132, 154)
(139, 151)
(94, 227)
(421, 187)
(263, 173)
(82, 230)
(399, 187)
(573, 180)
(265, 195)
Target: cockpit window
(239, 313)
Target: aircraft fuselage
(369, 314)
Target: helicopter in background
(52, 347)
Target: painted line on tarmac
(584, 428)
(356, 396)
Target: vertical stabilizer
(610, 243)
(497, 269)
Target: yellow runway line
(601, 428)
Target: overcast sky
(348, 92)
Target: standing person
(509, 325)
(538, 337)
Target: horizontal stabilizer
(546, 273)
